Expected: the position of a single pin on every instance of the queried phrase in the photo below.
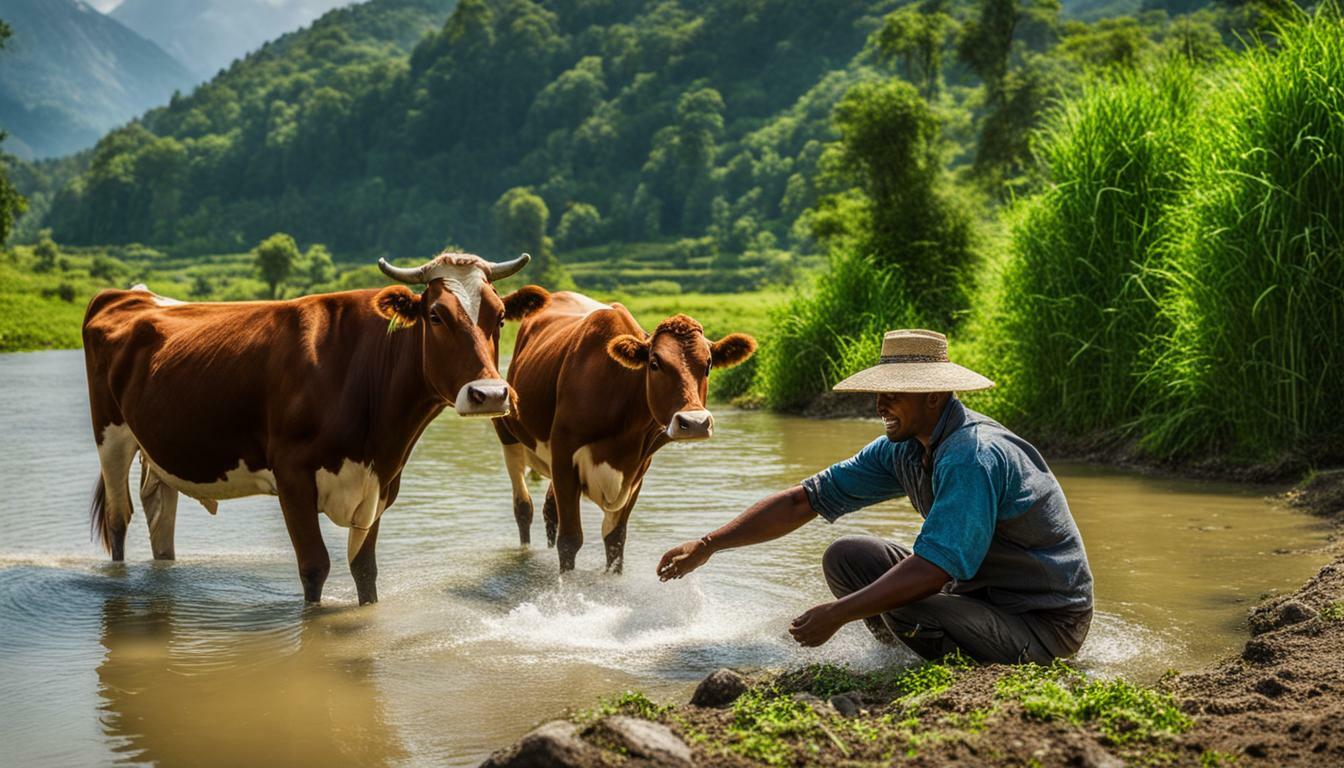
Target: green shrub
(1252, 364)
(1077, 302)
(821, 337)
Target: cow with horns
(317, 400)
(597, 397)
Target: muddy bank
(1279, 702)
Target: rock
(720, 689)
(1095, 757)
(643, 738)
(556, 743)
(1271, 687)
(811, 700)
(1295, 612)
(847, 704)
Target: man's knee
(853, 562)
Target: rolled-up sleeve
(866, 478)
(957, 533)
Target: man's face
(907, 414)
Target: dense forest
(632, 121)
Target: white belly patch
(350, 496)
(237, 482)
(602, 483)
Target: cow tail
(98, 515)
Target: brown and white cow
(597, 396)
(317, 400)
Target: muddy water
(213, 660)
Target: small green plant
(1333, 611)
(1210, 758)
(1122, 711)
(631, 703)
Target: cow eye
(653, 363)
(434, 318)
(501, 322)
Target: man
(998, 569)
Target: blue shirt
(995, 518)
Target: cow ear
(629, 351)
(732, 349)
(525, 301)
(397, 305)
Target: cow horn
(506, 268)
(404, 274)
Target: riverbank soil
(1280, 702)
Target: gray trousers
(945, 622)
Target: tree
(106, 269)
(316, 268)
(916, 36)
(905, 216)
(47, 253)
(580, 225)
(275, 258)
(12, 204)
(520, 220)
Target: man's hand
(682, 559)
(817, 625)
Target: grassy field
(44, 309)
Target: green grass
(1077, 301)
(1122, 711)
(1252, 363)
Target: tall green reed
(1077, 304)
(1253, 362)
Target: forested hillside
(618, 105)
(70, 74)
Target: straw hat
(914, 360)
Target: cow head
(676, 360)
(457, 319)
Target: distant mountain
(69, 74)
(206, 35)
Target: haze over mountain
(70, 74)
(206, 35)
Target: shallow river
(214, 660)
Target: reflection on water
(213, 659)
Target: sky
(104, 5)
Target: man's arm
(910, 580)
(771, 517)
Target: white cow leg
(515, 462)
(115, 456)
(160, 503)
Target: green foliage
(580, 225)
(822, 337)
(521, 218)
(1078, 301)
(629, 703)
(1251, 364)
(12, 204)
(898, 684)
(47, 254)
(907, 218)
(1124, 712)
(275, 259)
(916, 36)
(1333, 611)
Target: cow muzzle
(691, 425)
(483, 397)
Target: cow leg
(298, 501)
(515, 461)
(569, 531)
(160, 504)
(364, 567)
(613, 532)
(115, 456)
(548, 514)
